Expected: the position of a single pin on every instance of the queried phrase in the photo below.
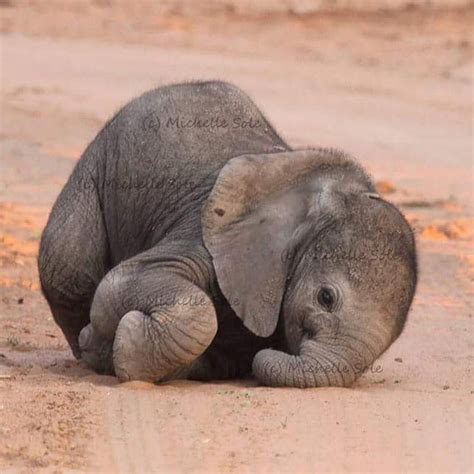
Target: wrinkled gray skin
(209, 251)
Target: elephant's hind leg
(158, 321)
(73, 258)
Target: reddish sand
(395, 91)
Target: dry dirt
(394, 90)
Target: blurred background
(389, 81)
(373, 77)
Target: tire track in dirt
(237, 427)
(128, 442)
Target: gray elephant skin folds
(191, 241)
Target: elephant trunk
(322, 362)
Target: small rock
(398, 359)
(20, 300)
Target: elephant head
(301, 237)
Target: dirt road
(394, 91)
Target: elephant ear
(256, 205)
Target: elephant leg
(73, 259)
(116, 295)
(147, 323)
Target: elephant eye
(326, 298)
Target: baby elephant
(191, 241)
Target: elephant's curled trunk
(322, 362)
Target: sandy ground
(396, 91)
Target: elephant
(190, 241)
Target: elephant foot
(96, 350)
(161, 347)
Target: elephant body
(136, 195)
(137, 258)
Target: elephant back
(160, 156)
